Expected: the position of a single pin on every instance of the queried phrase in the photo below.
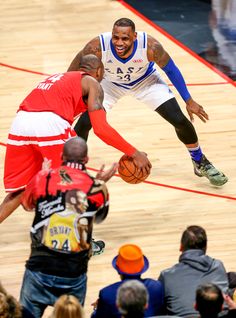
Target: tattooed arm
(156, 52)
(92, 47)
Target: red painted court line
(180, 188)
(45, 74)
(229, 80)
(23, 69)
(169, 186)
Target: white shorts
(152, 91)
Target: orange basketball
(128, 171)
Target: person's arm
(92, 47)
(103, 130)
(157, 54)
(106, 175)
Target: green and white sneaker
(206, 169)
(97, 247)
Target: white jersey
(127, 72)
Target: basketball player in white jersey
(129, 59)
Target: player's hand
(194, 108)
(106, 175)
(141, 161)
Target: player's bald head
(92, 65)
(75, 150)
(90, 62)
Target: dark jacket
(107, 299)
(181, 281)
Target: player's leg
(21, 164)
(83, 126)
(157, 95)
(10, 204)
(186, 133)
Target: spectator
(231, 303)
(130, 263)
(66, 200)
(194, 268)
(132, 299)
(10, 307)
(210, 300)
(67, 306)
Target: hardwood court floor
(44, 36)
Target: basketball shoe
(97, 247)
(206, 169)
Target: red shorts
(33, 137)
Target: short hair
(90, 62)
(209, 300)
(194, 237)
(75, 149)
(125, 22)
(68, 306)
(132, 298)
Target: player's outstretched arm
(157, 54)
(103, 130)
(92, 47)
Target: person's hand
(194, 108)
(106, 175)
(46, 165)
(141, 161)
(229, 301)
(95, 304)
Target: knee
(186, 132)
(182, 122)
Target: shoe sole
(98, 253)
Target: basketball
(128, 171)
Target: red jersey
(60, 93)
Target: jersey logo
(65, 178)
(137, 61)
(109, 61)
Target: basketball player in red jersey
(43, 123)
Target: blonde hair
(68, 306)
